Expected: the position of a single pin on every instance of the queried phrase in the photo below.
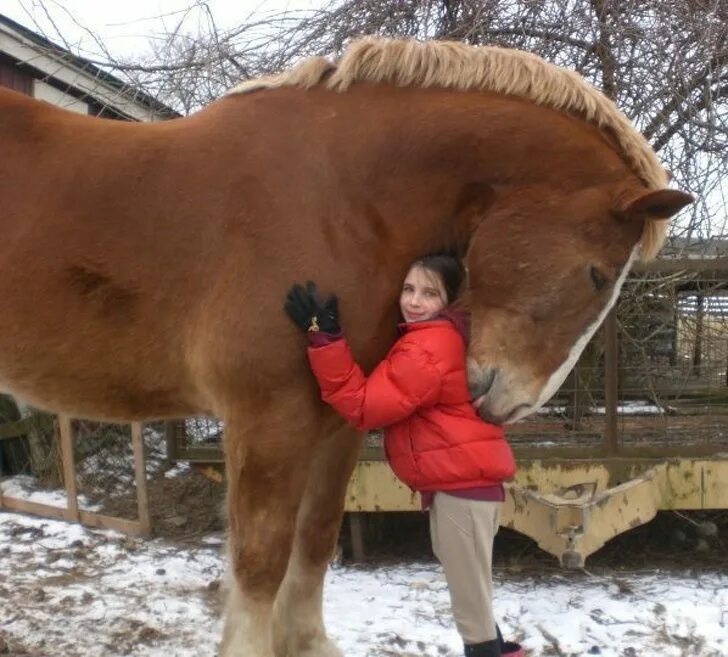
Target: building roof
(76, 74)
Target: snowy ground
(72, 592)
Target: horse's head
(544, 269)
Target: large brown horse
(144, 267)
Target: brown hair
(448, 267)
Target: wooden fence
(72, 511)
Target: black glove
(305, 307)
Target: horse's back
(100, 273)
(144, 264)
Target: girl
(434, 439)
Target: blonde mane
(458, 66)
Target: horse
(145, 267)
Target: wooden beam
(15, 429)
(36, 508)
(86, 518)
(693, 265)
(200, 454)
(132, 527)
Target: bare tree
(665, 63)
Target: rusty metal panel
(714, 478)
(696, 484)
(572, 508)
(373, 487)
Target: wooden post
(357, 536)
(698, 344)
(611, 382)
(69, 467)
(140, 471)
(170, 437)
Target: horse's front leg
(298, 628)
(267, 466)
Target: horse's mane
(408, 63)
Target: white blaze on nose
(557, 378)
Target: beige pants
(462, 534)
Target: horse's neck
(489, 137)
(405, 156)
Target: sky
(126, 27)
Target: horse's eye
(598, 279)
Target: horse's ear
(659, 204)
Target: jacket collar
(458, 318)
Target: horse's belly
(92, 394)
(95, 369)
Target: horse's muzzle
(503, 403)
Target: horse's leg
(298, 628)
(267, 466)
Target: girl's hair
(448, 267)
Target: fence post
(356, 520)
(170, 437)
(699, 325)
(140, 473)
(611, 382)
(69, 467)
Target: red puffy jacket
(433, 437)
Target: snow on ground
(74, 592)
(25, 487)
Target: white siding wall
(19, 47)
(51, 95)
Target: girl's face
(423, 295)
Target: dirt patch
(183, 507)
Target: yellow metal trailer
(572, 506)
